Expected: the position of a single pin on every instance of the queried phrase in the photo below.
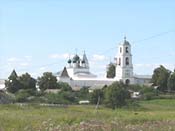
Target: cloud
(96, 57)
(13, 59)
(42, 68)
(28, 58)
(60, 56)
(24, 64)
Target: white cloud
(28, 58)
(13, 59)
(24, 64)
(60, 56)
(42, 68)
(96, 57)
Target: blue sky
(39, 35)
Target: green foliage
(13, 84)
(64, 86)
(47, 81)
(22, 95)
(95, 95)
(111, 71)
(83, 93)
(63, 97)
(136, 87)
(6, 98)
(116, 95)
(148, 93)
(171, 82)
(160, 78)
(155, 115)
(27, 81)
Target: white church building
(77, 73)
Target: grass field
(154, 115)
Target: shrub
(116, 95)
(149, 93)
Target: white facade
(77, 73)
(124, 66)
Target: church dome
(76, 58)
(69, 61)
(125, 42)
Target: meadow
(153, 115)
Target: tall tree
(27, 82)
(160, 78)
(13, 84)
(171, 82)
(47, 81)
(111, 70)
(116, 95)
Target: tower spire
(124, 37)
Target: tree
(13, 84)
(160, 78)
(116, 95)
(27, 82)
(64, 86)
(83, 93)
(111, 71)
(47, 81)
(96, 95)
(171, 82)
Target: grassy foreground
(151, 115)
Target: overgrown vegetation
(152, 111)
(150, 115)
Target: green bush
(25, 95)
(6, 98)
(116, 95)
(96, 95)
(22, 95)
(63, 97)
(149, 93)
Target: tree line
(24, 88)
(164, 79)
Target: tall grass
(155, 114)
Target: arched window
(119, 62)
(127, 50)
(127, 61)
(120, 49)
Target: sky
(40, 35)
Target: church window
(119, 63)
(120, 49)
(127, 61)
(127, 50)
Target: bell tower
(124, 66)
